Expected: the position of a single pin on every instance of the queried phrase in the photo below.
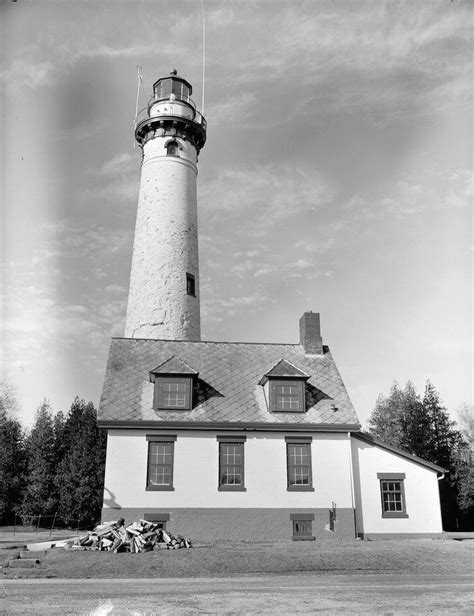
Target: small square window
(173, 393)
(302, 526)
(392, 492)
(287, 396)
(190, 285)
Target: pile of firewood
(140, 536)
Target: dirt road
(277, 594)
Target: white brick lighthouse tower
(163, 299)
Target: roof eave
(400, 452)
(221, 425)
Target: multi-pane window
(298, 453)
(231, 463)
(287, 395)
(392, 494)
(172, 392)
(160, 463)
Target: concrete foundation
(211, 525)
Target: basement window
(190, 285)
(392, 493)
(159, 519)
(302, 526)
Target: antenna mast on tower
(203, 55)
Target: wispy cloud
(265, 195)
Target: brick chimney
(310, 334)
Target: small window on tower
(172, 148)
(190, 285)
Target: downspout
(352, 485)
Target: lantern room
(173, 88)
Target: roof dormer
(173, 381)
(284, 387)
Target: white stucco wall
(421, 492)
(165, 246)
(196, 472)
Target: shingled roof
(227, 392)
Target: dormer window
(284, 388)
(287, 395)
(172, 393)
(173, 381)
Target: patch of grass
(404, 556)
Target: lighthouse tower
(163, 300)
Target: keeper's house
(221, 440)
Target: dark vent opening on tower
(190, 285)
(172, 148)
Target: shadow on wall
(110, 501)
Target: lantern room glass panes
(165, 87)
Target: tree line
(422, 426)
(55, 470)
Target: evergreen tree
(80, 476)
(40, 493)
(12, 456)
(464, 465)
(386, 422)
(400, 419)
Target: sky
(336, 177)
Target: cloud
(432, 190)
(218, 309)
(265, 195)
(123, 163)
